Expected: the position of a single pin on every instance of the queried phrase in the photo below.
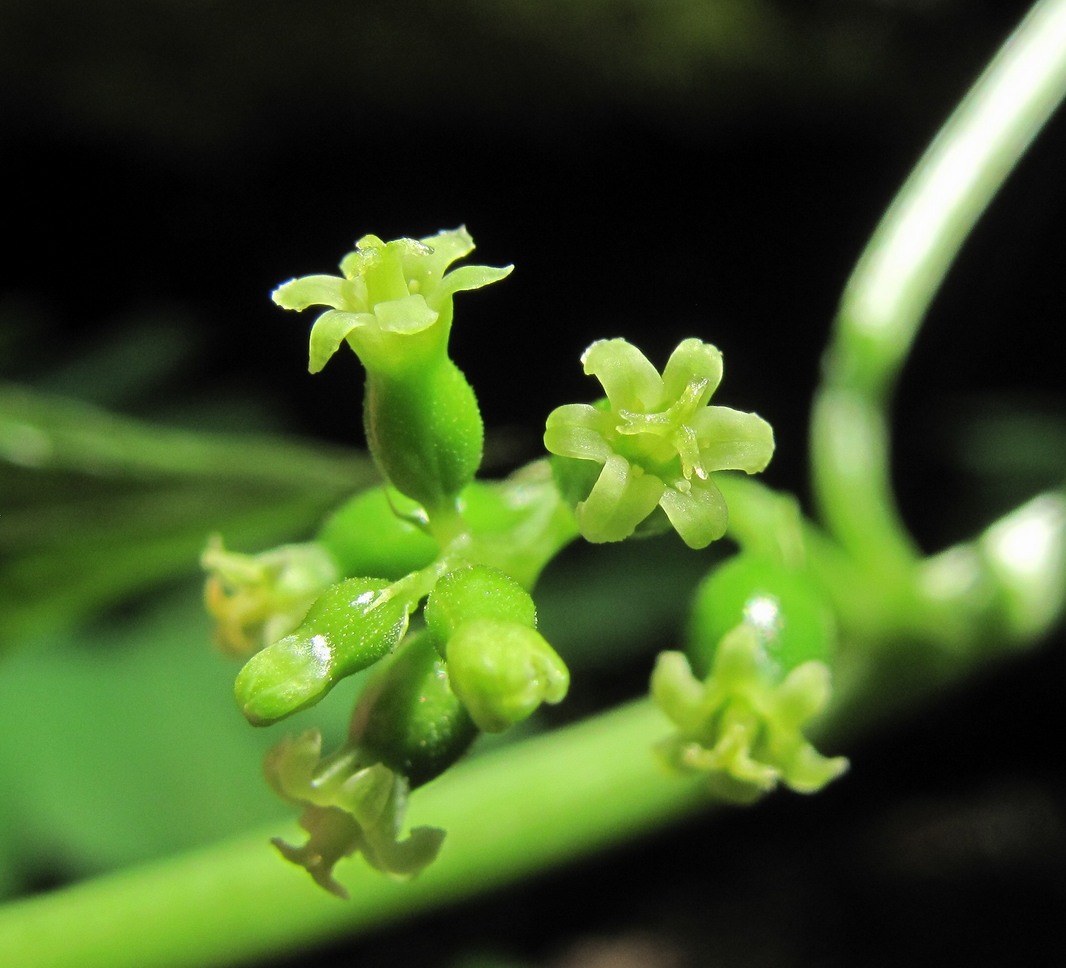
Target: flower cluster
(657, 441)
(393, 306)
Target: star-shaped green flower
(742, 727)
(388, 293)
(658, 440)
(349, 806)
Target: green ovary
(425, 432)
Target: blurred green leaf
(96, 507)
(124, 743)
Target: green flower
(743, 726)
(349, 806)
(407, 728)
(658, 442)
(393, 301)
(257, 599)
(393, 306)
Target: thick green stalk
(901, 271)
(507, 814)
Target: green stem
(901, 271)
(507, 813)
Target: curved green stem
(901, 271)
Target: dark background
(654, 171)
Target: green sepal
(503, 671)
(740, 726)
(349, 806)
(348, 628)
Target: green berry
(784, 607)
(374, 533)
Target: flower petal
(733, 440)
(425, 261)
(629, 379)
(406, 315)
(367, 252)
(576, 430)
(699, 516)
(466, 278)
(693, 361)
(677, 692)
(330, 330)
(448, 246)
(307, 291)
(621, 498)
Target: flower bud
(350, 627)
(503, 671)
(476, 592)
